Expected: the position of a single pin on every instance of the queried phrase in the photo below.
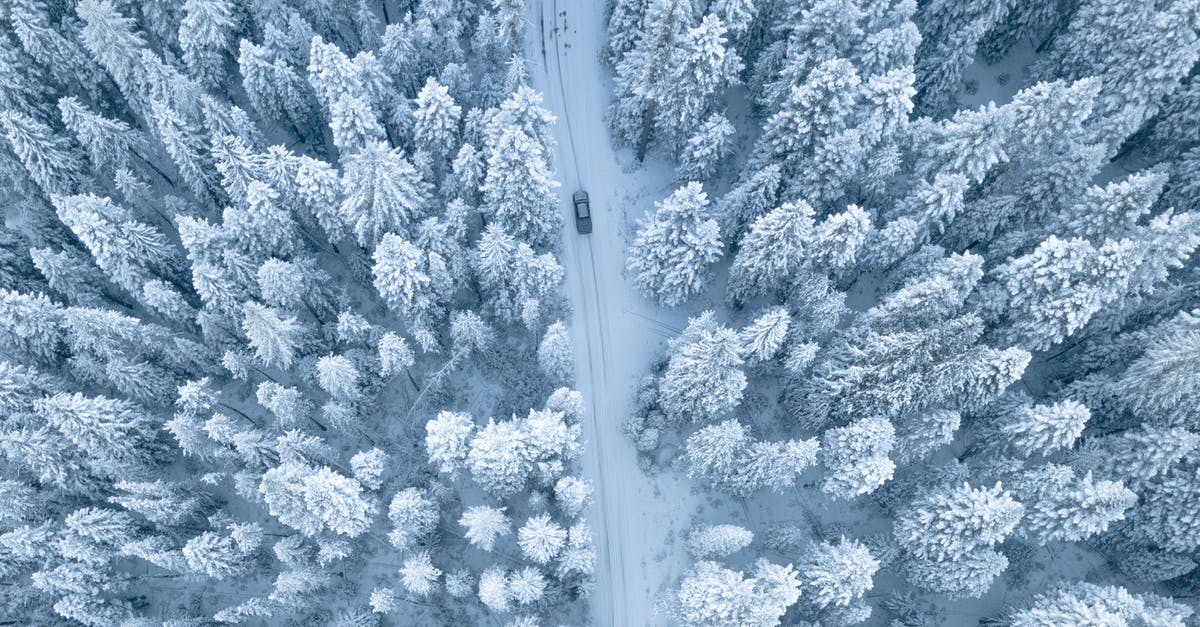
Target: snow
(617, 333)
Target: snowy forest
(890, 314)
(279, 323)
(941, 341)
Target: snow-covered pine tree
(675, 247)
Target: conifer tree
(383, 193)
(414, 282)
(857, 457)
(1080, 279)
(117, 435)
(1061, 506)
(206, 36)
(643, 75)
(51, 161)
(675, 247)
(705, 150)
(436, 118)
(484, 524)
(712, 595)
(703, 379)
(275, 338)
(519, 187)
(555, 355)
(1081, 602)
(837, 575)
(950, 523)
(413, 515)
(717, 541)
(113, 41)
(772, 250)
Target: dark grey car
(583, 213)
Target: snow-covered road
(616, 332)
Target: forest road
(631, 521)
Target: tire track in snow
(631, 521)
(608, 570)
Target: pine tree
(702, 66)
(117, 435)
(837, 575)
(712, 595)
(704, 151)
(764, 338)
(572, 495)
(1163, 516)
(1044, 429)
(31, 325)
(703, 379)
(1139, 455)
(675, 247)
(184, 143)
(312, 499)
(541, 539)
(218, 556)
(726, 456)
(484, 524)
(949, 523)
(714, 541)
(749, 199)
(1061, 506)
(338, 376)
(383, 192)
(51, 161)
(1079, 603)
(857, 457)
(966, 576)
(643, 75)
(354, 124)
(113, 42)
(414, 517)
(128, 251)
(493, 589)
(938, 294)
(838, 239)
(206, 36)
(275, 338)
(447, 438)
(624, 28)
(498, 459)
(774, 249)
(1052, 292)
(519, 187)
(276, 90)
(555, 354)
(109, 142)
(516, 282)
(920, 435)
(952, 31)
(436, 118)
(1159, 382)
(262, 227)
(810, 113)
(394, 354)
(414, 282)
(161, 502)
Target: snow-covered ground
(617, 333)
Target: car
(583, 213)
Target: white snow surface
(616, 332)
